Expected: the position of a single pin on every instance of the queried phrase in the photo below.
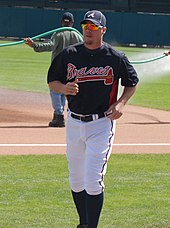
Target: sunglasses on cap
(92, 27)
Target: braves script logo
(93, 74)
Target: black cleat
(57, 121)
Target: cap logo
(91, 15)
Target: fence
(156, 6)
(122, 27)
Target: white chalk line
(64, 145)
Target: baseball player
(57, 43)
(89, 74)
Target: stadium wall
(122, 27)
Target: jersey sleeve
(43, 47)
(57, 70)
(127, 73)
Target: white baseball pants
(89, 146)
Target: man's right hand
(71, 88)
(29, 41)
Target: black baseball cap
(68, 17)
(96, 17)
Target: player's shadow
(150, 119)
(149, 123)
(24, 126)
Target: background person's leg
(58, 102)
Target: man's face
(93, 34)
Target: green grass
(34, 192)
(154, 80)
(154, 94)
(24, 69)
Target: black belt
(87, 118)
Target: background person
(89, 74)
(57, 43)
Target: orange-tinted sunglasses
(92, 27)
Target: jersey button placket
(90, 62)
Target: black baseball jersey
(98, 72)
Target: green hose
(148, 60)
(42, 35)
(75, 30)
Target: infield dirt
(24, 118)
